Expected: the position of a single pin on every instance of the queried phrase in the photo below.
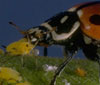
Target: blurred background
(30, 13)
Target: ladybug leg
(45, 51)
(92, 52)
(22, 61)
(98, 53)
(61, 67)
(99, 70)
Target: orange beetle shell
(90, 19)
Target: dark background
(29, 13)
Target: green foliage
(34, 73)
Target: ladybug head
(39, 34)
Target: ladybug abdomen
(90, 20)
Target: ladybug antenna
(18, 28)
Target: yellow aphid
(1, 51)
(81, 72)
(19, 48)
(25, 83)
(10, 75)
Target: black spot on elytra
(95, 19)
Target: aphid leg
(92, 52)
(22, 61)
(99, 71)
(61, 68)
(98, 59)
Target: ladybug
(76, 28)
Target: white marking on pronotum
(72, 9)
(64, 19)
(80, 13)
(62, 36)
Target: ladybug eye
(95, 19)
